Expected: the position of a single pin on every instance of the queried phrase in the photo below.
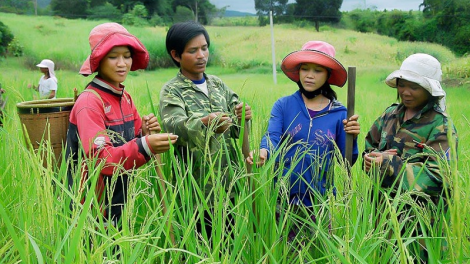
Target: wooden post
(273, 53)
(246, 145)
(350, 107)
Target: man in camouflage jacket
(198, 107)
(183, 105)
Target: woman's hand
(262, 157)
(352, 126)
(161, 142)
(376, 158)
(150, 125)
(33, 86)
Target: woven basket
(44, 120)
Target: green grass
(37, 227)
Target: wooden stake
(350, 107)
(246, 145)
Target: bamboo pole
(246, 145)
(350, 107)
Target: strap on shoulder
(95, 93)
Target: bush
(302, 23)
(140, 11)
(405, 49)
(15, 48)
(364, 20)
(107, 11)
(132, 20)
(461, 42)
(5, 38)
(159, 58)
(157, 20)
(183, 14)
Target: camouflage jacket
(422, 144)
(182, 105)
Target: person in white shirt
(48, 83)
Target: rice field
(358, 225)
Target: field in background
(242, 58)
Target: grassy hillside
(36, 227)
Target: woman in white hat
(310, 124)
(48, 82)
(409, 141)
(408, 146)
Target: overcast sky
(348, 5)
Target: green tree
(70, 8)
(262, 7)
(16, 6)
(202, 10)
(152, 6)
(5, 38)
(430, 7)
(95, 3)
(451, 18)
(318, 11)
(107, 11)
(183, 14)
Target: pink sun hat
(106, 36)
(318, 52)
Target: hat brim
(42, 65)
(140, 55)
(291, 63)
(432, 86)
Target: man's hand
(239, 111)
(217, 121)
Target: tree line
(139, 12)
(445, 22)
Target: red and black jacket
(105, 121)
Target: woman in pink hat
(47, 86)
(306, 127)
(104, 121)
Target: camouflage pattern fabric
(422, 145)
(182, 105)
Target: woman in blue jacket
(309, 123)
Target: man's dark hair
(180, 34)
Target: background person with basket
(47, 86)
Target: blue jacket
(307, 144)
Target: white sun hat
(49, 65)
(422, 69)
